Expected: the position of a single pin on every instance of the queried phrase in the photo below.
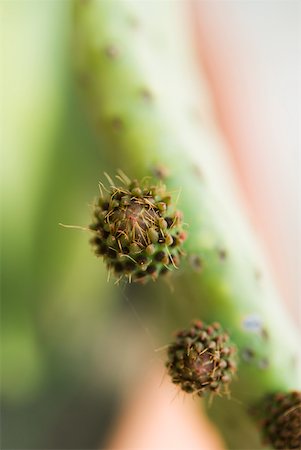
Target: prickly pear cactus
(152, 107)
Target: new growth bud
(136, 230)
(202, 359)
(281, 420)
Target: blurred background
(61, 378)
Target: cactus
(138, 78)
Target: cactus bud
(133, 227)
(196, 361)
(280, 417)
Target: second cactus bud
(202, 359)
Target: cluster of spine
(282, 420)
(202, 359)
(136, 230)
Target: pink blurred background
(251, 50)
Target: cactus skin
(281, 420)
(133, 76)
(136, 231)
(202, 359)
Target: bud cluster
(137, 231)
(282, 420)
(202, 359)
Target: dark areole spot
(169, 221)
(196, 262)
(160, 171)
(117, 124)
(264, 334)
(141, 260)
(118, 267)
(111, 253)
(112, 51)
(222, 254)
(263, 363)
(105, 234)
(151, 269)
(146, 94)
(248, 354)
(159, 256)
(129, 265)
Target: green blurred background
(56, 308)
(72, 344)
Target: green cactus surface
(149, 102)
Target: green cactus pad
(137, 230)
(151, 108)
(202, 359)
(282, 420)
